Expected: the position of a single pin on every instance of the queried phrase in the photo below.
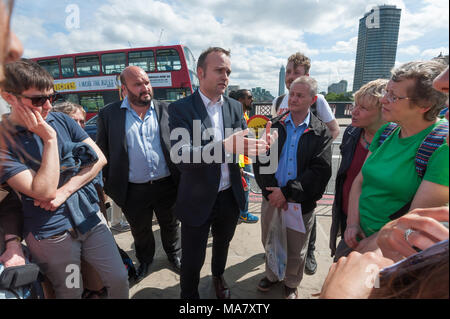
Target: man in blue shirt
(62, 221)
(304, 168)
(134, 136)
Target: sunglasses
(41, 100)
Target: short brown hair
(202, 58)
(26, 74)
(299, 59)
(422, 92)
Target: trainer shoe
(248, 219)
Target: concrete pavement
(245, 266)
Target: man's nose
(47, 105)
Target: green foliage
(343, 97)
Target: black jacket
(339, 219)
(112, 141)
(199, 180)
(313, 165)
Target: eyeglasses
(391, 97)
(41, 100)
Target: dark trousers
(142, 201)
(312, 238)
(223, 220)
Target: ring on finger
(408, 232)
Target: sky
(260, 34)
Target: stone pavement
(245, 266)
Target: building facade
(281, 80)
(377, 44)
(261, 95)
(338, 88)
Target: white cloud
(431, 53)
(409, 50)
(346, 46)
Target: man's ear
(200, 73)
(124, 91)
(8, 97)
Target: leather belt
(156, 181)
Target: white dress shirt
(214, 109)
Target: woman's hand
(353, 277)
(426, 227)
(352, 234)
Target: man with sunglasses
(62, 221)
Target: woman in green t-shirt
(388, 180)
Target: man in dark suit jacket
(210, 192)
(134, 136)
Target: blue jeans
(247, 168)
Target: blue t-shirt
(22, 150)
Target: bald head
(131, 72)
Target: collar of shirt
(290, 121)
(209, 102)
(126, 105)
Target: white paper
(293, 217)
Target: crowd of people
(391, 201)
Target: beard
(138, 100)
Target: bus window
(190, 60)
(168, 60)
(91, 102)
(170, 95)
(67, 69)
(113, 63)
(87, 65)
(143, 59)
(51, 66)
(194, 80)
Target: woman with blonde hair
(366, 120)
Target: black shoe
(221, 288)
(265, 284)
(176, 263)
(142, 271)
(290, 293)
(311, 264)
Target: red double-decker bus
(91, 79)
